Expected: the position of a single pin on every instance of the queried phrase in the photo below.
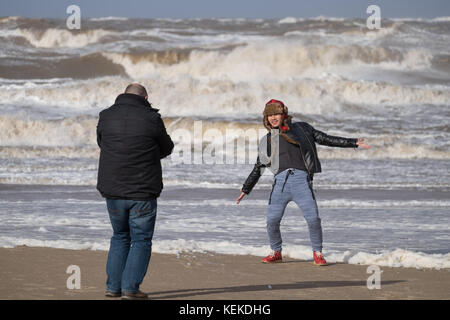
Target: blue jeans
(293, 185)
(133, 223)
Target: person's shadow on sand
(249, 288)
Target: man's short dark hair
(136, 88)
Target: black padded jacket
(132, 140)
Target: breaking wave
(257, 61)
(183, 95)
(76, 137)
(54, 38)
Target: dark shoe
(134, 295)
(111, 294)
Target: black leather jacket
(306, 136)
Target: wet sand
(40, 273)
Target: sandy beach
(38, 273)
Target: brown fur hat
(277, 107)
(274, 107)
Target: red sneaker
(319, 259)
(274, 257)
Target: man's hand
(240, 197)
(361, 143)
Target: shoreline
(39, 273)
(47, 222)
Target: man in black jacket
(293, 161)
(132, 140)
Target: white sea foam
(55, 38)
(288, 20)
(9, 19)
(336, 203)
(109, 19)
(396, 258)
(401, 258)
(67, 132)
(10, 242)
(441, 19)
(327, 18)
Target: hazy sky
(226, 8)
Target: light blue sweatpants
(293, 185)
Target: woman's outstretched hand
(240, 197)
(361, 143)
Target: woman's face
(275, 120)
